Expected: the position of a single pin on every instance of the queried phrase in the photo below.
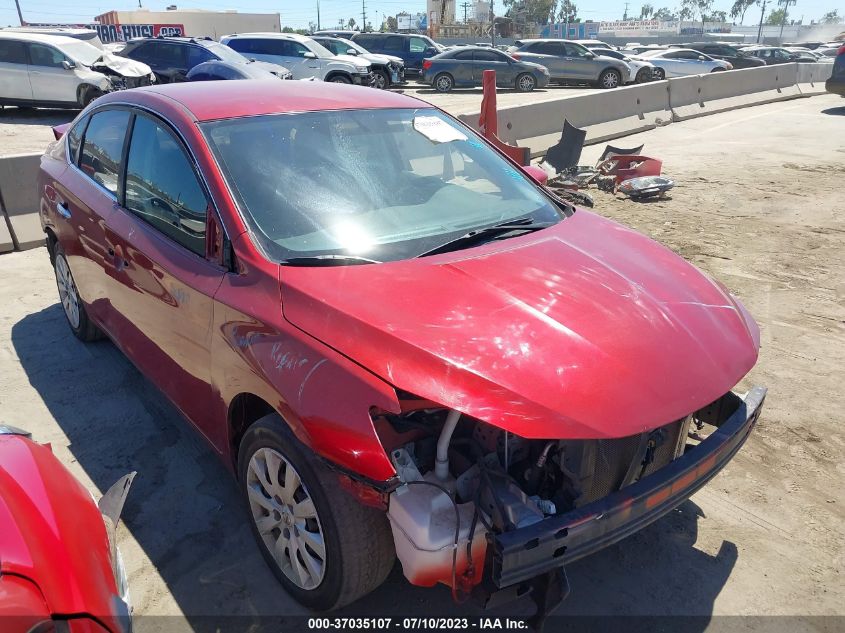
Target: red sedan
(60, 569)
(400, 343)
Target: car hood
(123, 66)
(583, 330)
(384, 59)
(52, 531)
(355, 60)
(276, 69)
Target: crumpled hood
(378, 58)
(123, 66)
(355, 60)
(583, 330)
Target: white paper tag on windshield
(437, 130)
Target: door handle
(62, 210)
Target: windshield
(383, 184)
(82, 52)
(347, 44)
(318, 49)
(226, 54)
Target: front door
(163, 284)
(492, 60)
(14, 72)
(49, 79)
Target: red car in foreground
(400, 343)
(60, 569)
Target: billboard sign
(109, 33)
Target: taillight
(841, 50)
(426, 64)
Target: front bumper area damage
(492, 514)
(522, 554)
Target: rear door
(163, 284)
(167, 59)
(84, 199)
(14, 71)
(461, 68)
(49, 79)
(418, 49)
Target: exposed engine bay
(123, 72)
(465, 479)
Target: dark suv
(412, 49)
(171, 58)
(836, 83)
(726, 52)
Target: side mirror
(590, 55)
(430, 51)
(702, 58)
(537, 174)
(351, 51)
(310, 55)
(68, 65)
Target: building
(481, 11)
(191, 22)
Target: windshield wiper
(328, 260)
(486, 234)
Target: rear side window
(394, 43)
(418, 45)
(162, 187)
(369, 42)
(487, 56)
(12, 52)
(74, 139)
(103, 146)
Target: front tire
(88, 95)
(443, 83)
(609, 79)
(77, 317)
(382, 80)
(324, 547)
(526, 82)
(659, 74)
(340, 79)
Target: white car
(679, 62)
(641, 70)
(57, 71)
(304, 57)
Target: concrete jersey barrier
(811, 78)
(699, 95)
(19, 198)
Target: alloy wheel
(526, 83)
(286, 518)
(610, 80)
(67, 291)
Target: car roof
(202, 41)
(43, 38)
(211, 100)
(296, 37)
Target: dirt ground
(759, 204)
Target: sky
(297, 13)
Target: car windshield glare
(227, 54)
(82, 52)
(387, 184)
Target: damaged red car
(401, 344)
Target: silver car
(679, 62)
(569, 62)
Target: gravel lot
(759, 204)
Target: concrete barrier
(6, 243)
(605, 115)
(19, 198)
(696, 96)
(811, 78)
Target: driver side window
(162, 187)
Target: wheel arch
(245, 409)
(335, 73)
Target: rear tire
(659, 74)
(77, 317)
(443, 82)
(356, 541)
(609, 79)
(645, 75)
(526, 82)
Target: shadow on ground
(839, 111)
(36, 116)
(184, 512)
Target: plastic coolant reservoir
(423, 522)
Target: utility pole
(364, 15)
(20, 15)
(762, 14)
(625, 16)
(492, 25)
(466, 5)
(318, 14)
(786, 4)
